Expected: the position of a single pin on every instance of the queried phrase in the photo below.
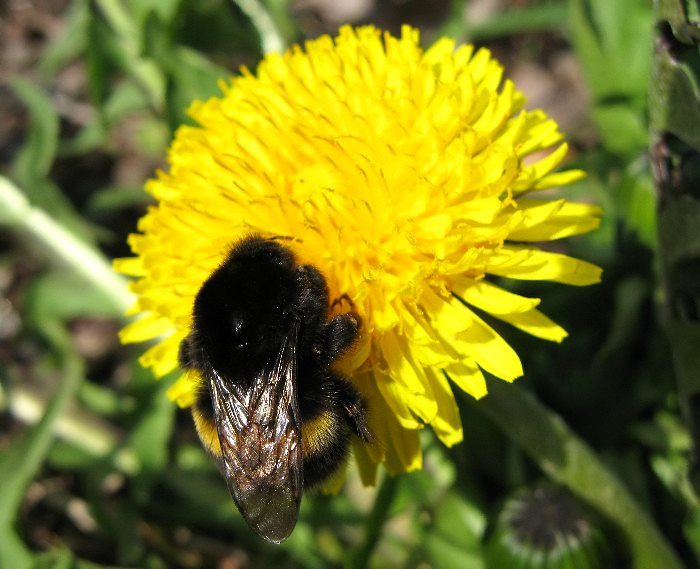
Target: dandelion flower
(409, 178)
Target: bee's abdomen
(325, 443)
(206, 429)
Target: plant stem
(674, 105)
(270, 38)
(60, 244)
(568, 460)
(373, 525)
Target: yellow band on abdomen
(317, 433)
(207, 431)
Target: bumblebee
(269, 408)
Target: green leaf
(454, 539)
(444, 553)
(635, 202)
(685, 338)
(374, 522)
(52, 297)
(109, 200)
(678, 13)
(123, 100)
(150, 437)
(119, 519)
(102, 399)
(675, 96)
(459, 521)
(219, 30)
(37, 155)
(13, 552)
(104, 57)
(532, 18)
(121, 44)
(65, 456)
(630, 296)
(679, 237)
(20, 461)
(164, 10)
(613, 42)
(201, 498)
(622, 128)
(190, 76)
(56, 559)
(34, 161)
(71, 43)
(691, 529)
(302, 547)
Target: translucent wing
(260, 437)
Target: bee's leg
(340, 333)
(354, 407)
(313, 295)
(342, 298)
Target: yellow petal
(131, 266)
(558, 179)
(447, 424)
(409, 376)
(365, 465)
(377, 412)
(488, 349)
(530, 175)
(533, 264)
(404, 453)
(398, 399)
(549, 220)
(468, 377)
(161, 358)
(536, 324)
(491, 298)
(539, 133)
(183, 391)
(396, 445)
(146, 328)
(446, 314)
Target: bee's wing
(260, 437)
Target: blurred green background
(99, 469)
